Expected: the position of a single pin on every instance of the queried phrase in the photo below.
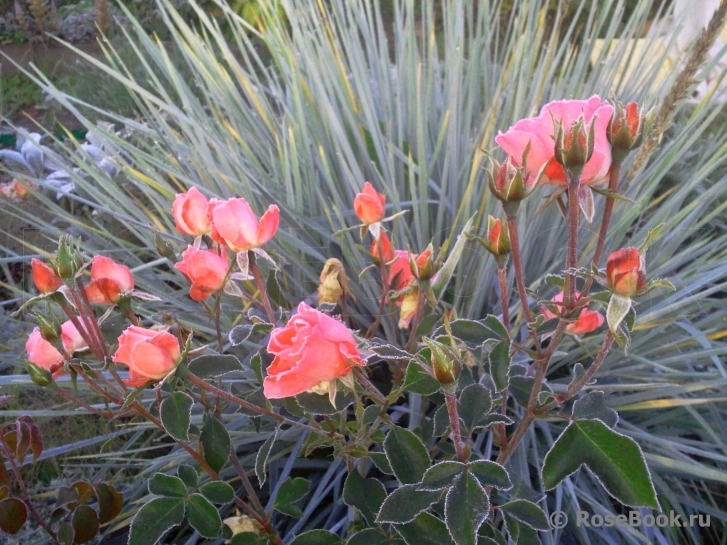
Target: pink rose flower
(149, 355)
(45, 279)
(109, 281)
(587, 321)
(235, 226)
(311, 349)
(538, 132)
(369, 205)
(190, 213)
(43, 354)
(205, 269)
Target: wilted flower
(333, 282)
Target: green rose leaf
(500, 364)
(203, 516)
(441, 475)
(615, 459)
(520, 533)
(154, 519)
(110, 502)
(405, 503)
(215, 443)
(166, 485)
(176, 413)
(407, 455)
(528, 513)
(189, 475)
(290, 491)
(261, 459)
(426, 529)
(490, 474)
(592, 407)
(368, 537)
(214, 365)
(366, 495)
(418, 381)
(466, 507)
(217, 492)
(475, 403)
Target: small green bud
(38, 375)
(446, 364)
(68, 259)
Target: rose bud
(446, 364)
(508, 182)
(190, 213)
(369, 205)
(149, 354)
(68, 258)
(206, 270)
(530, 141)
(333, 282)
(311, 349)
(497, 241)
(422, 265)
(43, 354)
(400, 274)
(625, 272)
(626, 129)
(45, 279)
(235, 226)
(386, 247)
(110, 281)
(586, 321)
(574, 145)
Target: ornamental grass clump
(338, 324)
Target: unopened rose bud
(68, 258)
(508, 183)
(38, 375)
(625, 271)
(333, 282)
(626, 129)
(574, 146)
(369, 205)
(422, 265)
(497, 241)
(50, 329)
(44, 277)
(446, 364)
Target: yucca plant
(338, 96)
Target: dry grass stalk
(698, 55)
(103, 15)
(21, 18)
(41, 12)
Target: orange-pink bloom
(311, 349)
(536, 134)
(385, 247)
(625, 271)
(369, 205)
(587, 320)
(43, 354)
(190, 213)
(205, 269)
(45, 279)
(149, 354)
(235, 226)
(109, 281)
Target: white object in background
(691, 17)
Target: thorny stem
(246, 482)
(577, 386)
(194, 379)
(451, 401)
(90, 317)
(368, 385)
(572, 251)
(517, 263)
(504, 299)
(261, 288)
(7, 453)
(385, 289)
(613, 180)
(83, 404)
